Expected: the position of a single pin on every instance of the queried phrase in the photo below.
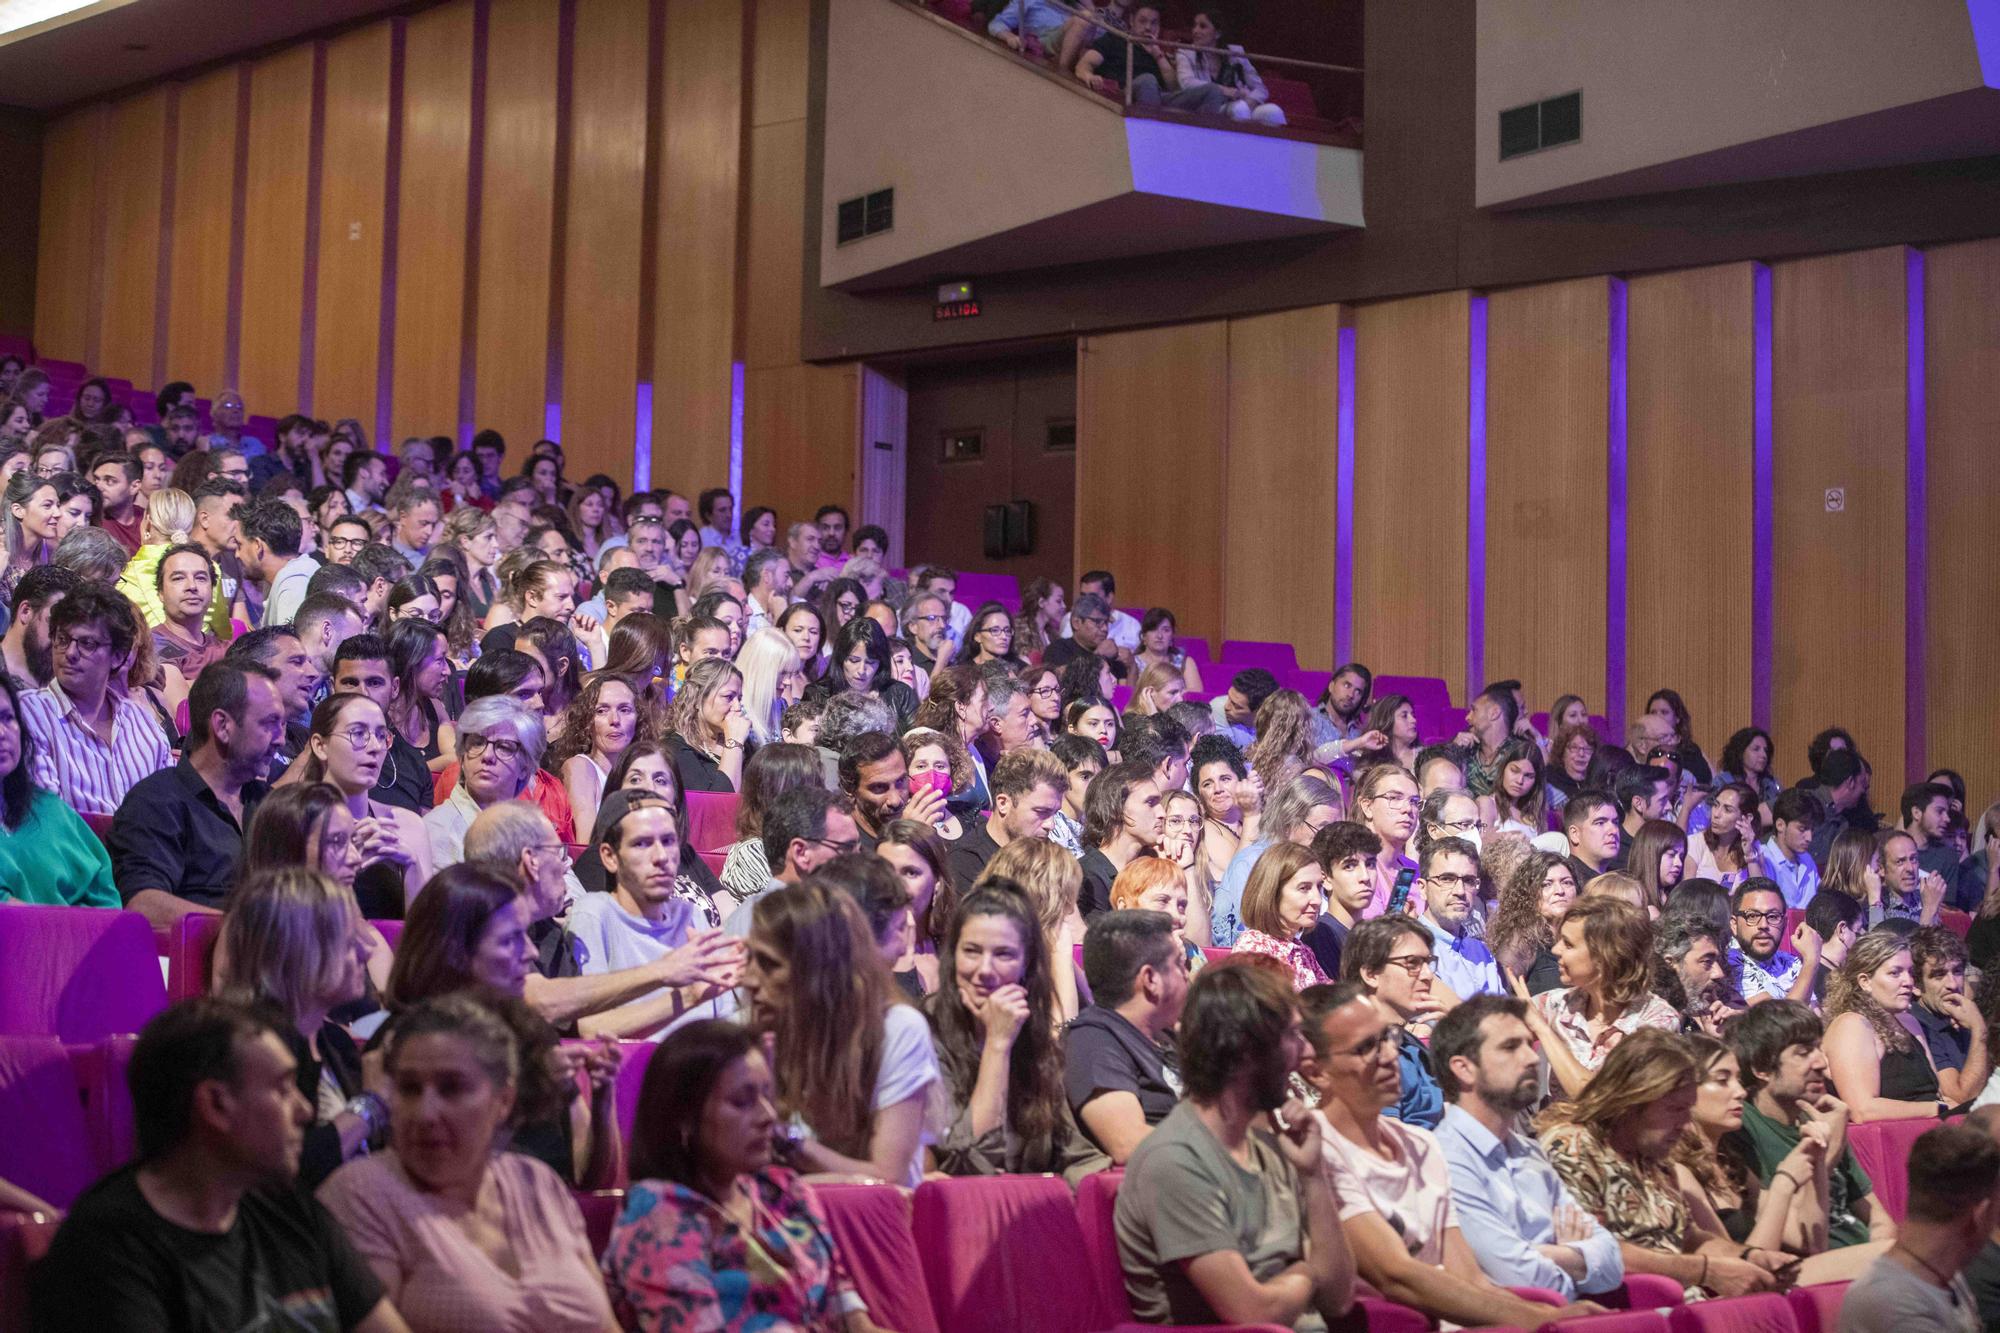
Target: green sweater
(54, 859)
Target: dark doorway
(990, 433)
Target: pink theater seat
(1312, 684)
(23, 1240)
(47, 1149)
(107, 1099)
(1002, 1253)
(1765, 1312)
(1882, 1147)
(1422, 691)
(1195, 646)
(1096, 1198)
(871, 1229)
(392, 931)
(712, 819)
(715, 861)
(1622, 1321)
(1643, 1291)
(190, 949)
(1277, 658)
(631, 1078)
(78, 973)
(975, 588)
(1121, 696)
(1957, 922)
(1817, 1309)
(600, 1209)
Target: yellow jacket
(137, 583)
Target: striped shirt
(73, 762)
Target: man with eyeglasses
(91, 745)
(1758, 968)
(1090, 632)
(1391, 1178)
(1448, 812)
(804, 829)
(345, 537)
(926, 625)
(1391, 958)
(1450, 870)
(228, 416)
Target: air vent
(1062, 437)
(864, 215)
(1539, 125)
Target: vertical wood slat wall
(1218, 440)
(374, 225)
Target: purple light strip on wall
(642, 435)
(1343, 511)
(163, 264)
(735, 432)
(552, 391)
(1615, 507)
(1761, 639)
(475, 194)
(392, 189)
(1475, 494)
(1916, 521)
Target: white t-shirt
(909, 1066)
(1412, 1193)
(610, 939)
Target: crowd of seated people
(1002, 894)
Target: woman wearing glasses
(349, 743)
(992, 637)
(500, 745)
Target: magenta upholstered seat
(600, 1209)
(711, 820)
(107, 1100)
(1643, 1291)
(1422, 691)
(976, 588)
(1817, 1309)
(1005, 1252)
(631, 1077)
(1957, 922)
(1765, 1312)
(1121, 697)
(1273, 657)
(23, 1240)
(47, 1151)
(1621, 1321)
(1195, 646)
(1882, 1147)
(871, 1228)
(190, 949)
(78, 973)
(1096, 1198)
(392, 931)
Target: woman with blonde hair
(1613, 1146)
(1604, 957)
(708, 727)
(711, 566)
(1876, 1054)
(773, 679)
(474, 534)
(1052, 880)
(1159, 688)
(294, 939)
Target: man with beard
(1758, 968)
(1523, 1225)
(1690, 975)
(1777, 1047)
(1390, 1177)
(1450, 870)
(28, 658)
(1954, 1030)
(1219, 1220)
(1027, 793)
(874, 776)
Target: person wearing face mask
(1450, 870)
(465, 1236)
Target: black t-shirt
(1982, 1276)
(1098, 872)
(1112, 47)
(968, 855)
(698, 771)
(1104, 1053)
(1061, 652)
(116, 1264)
(405, 780)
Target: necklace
(1942, 1279)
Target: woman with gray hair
(1295, 813)
(500, 746)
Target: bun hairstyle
(170, 515)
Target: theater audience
(1725, 849)
(350, 741)
(1082, 760)
(1346, 851)
(463, 1235)
(1282, 903)
(93, 743)
(1294, 813)
(209, 1222)
(1603, 955)
(1880, 1061)
(48, 855)
(1155, 884)
(1387, 799)
(917, 855)
(717, 1232)
(1027, 794)
(1515, 1214)
(1219, 1219)
(1050, 880)
(1123, 818)
(1759, 969)
(1121, 1068)
(854, 1062)
(1590, 824)
(1391, 1178)
(1390, 959)
(708, 728)
(1657, 858)
(1952, 1211)
(178, 835)
(803, 828)
(1689, 974)
(769, 773)
(1522, 930)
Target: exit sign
(955, 300)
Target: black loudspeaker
(1021, 527)
(995, 543)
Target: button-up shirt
(75, 763)
(174, 834)
(1506, 1195)
(1773, 979)
(1463, 963)
(1797, 880)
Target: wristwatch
(373, 1113)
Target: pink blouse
(440, 1282)
(1305, 967)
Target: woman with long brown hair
(1875, 1050)
(1604, 952)
(853, 1060)
(1522, 933)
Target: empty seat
(1765, 1312)
(871, 1229)
(1882, 1147)
(47, 1151)
(1421, 691)
(1195, 646)
(1817, 1309)
(1273, 657)
(711, 819)
(1002, 1253)
(1312, 684)
(107, 1099)
(1643, 1291)
(78, 973)
(190, 948)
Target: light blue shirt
(1240, 737)
(1464, 964)
(1797, 880)
(1226, 914)
(1027, 16)
(1506, 1195)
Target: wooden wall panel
(805, 422)
(430, 221)
(204, 210)
(1281, 480)
(696, 251)
(516, 228)
(65, 249)
(602, 232)
(1409, 457)
(1546, 501)
(353, 176)
(1690, 399)
(274, 230)
(1837, 354)
(1962, 309)
(1152, 425)
(774, 263)
(779, 51)
(135, 155)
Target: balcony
(998, 163)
